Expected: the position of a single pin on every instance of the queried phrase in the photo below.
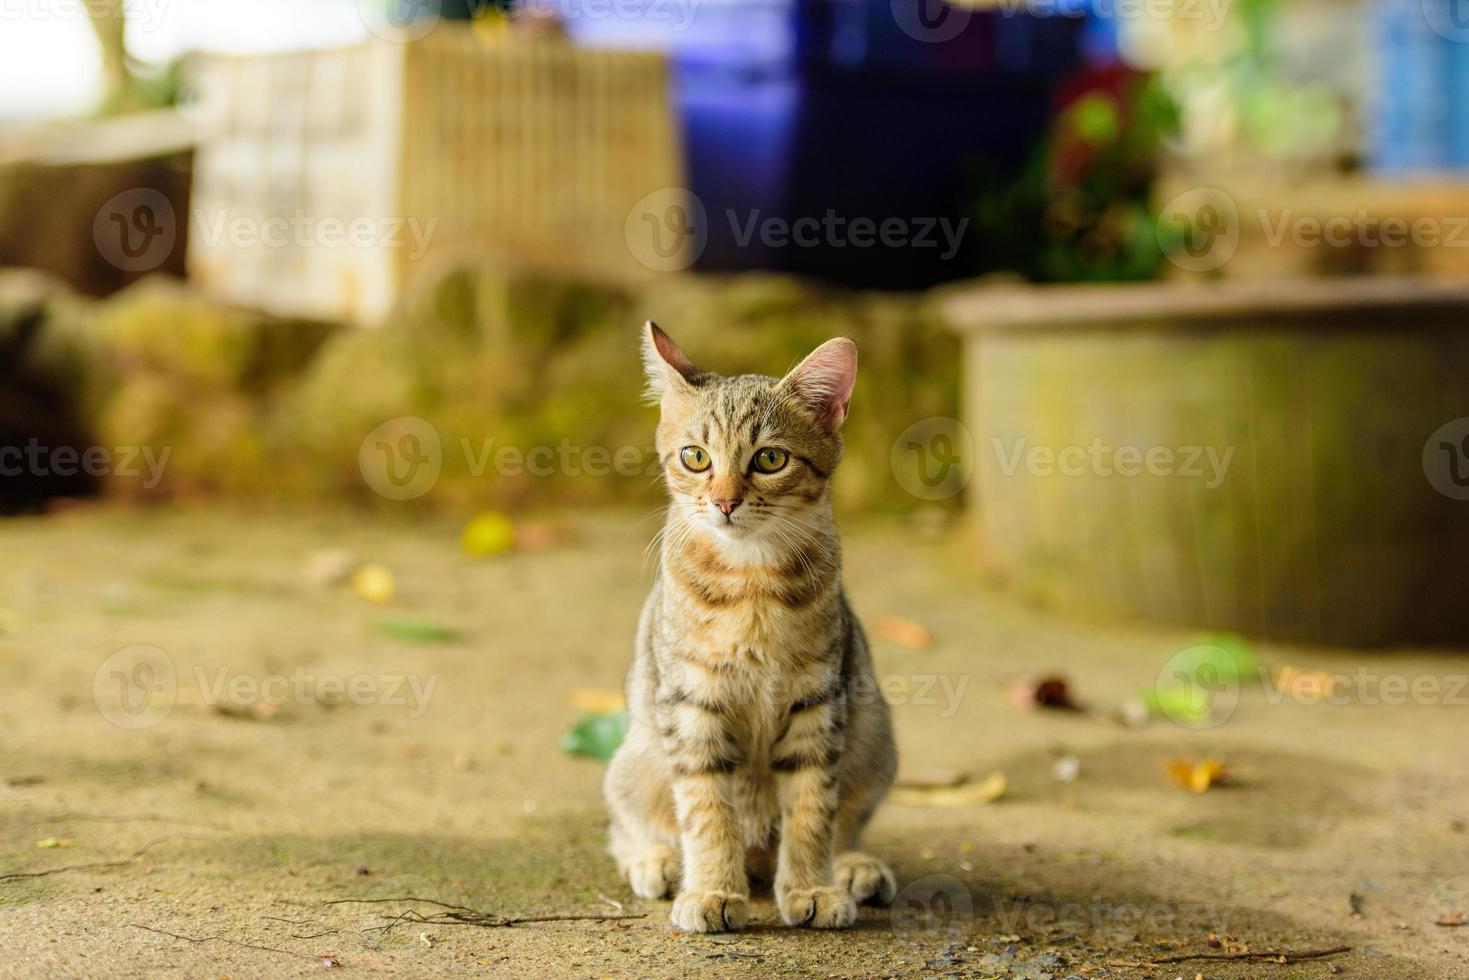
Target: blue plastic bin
(793, 109)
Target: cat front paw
(653, 873)
(869, 881)
(820, 908)
(710, 912)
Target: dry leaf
(1196, 777)
(904, 632)
(375, 583)
(969, 794)
(539, 536)
(329, 566)
(1452, 920)
(596, 700)
(1051, 691)
(1306, 685)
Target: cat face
(750, 457)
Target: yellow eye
(771, 460)
(694, 458)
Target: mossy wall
(257, 406)
(1289, 496)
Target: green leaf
(1179, 703)
(417, 630)
(1229, 655)
(596, 736)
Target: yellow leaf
(1196, 777)
(969, 794)
(55, 842)
(375, 583)
(490, 533)
(596, 700)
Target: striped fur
(756, 742)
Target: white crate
(525, 149)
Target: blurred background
(254, 233)
(318, 344)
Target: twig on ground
(1278, 955)
(301, 922)
(127, 818)
(96, 865)
(222, 939)
(462, 915)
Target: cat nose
(726, 507)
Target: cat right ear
(667, 369)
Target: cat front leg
(805, 764)
(716, 891)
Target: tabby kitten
(757, 735)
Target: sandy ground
(234, 827)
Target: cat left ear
(823, 381)
(666, 367)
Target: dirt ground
(230, 826)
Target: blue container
(1418, 118)
(819, 113)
